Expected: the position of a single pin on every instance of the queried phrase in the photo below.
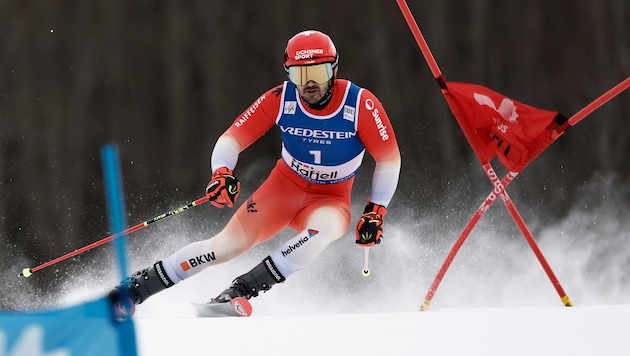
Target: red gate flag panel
(497, 125)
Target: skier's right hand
(370, 226)
(223, 188)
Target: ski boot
(249, 285)
(137, 288)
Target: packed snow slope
(592, 330)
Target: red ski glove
(370, 225)
(223, 188)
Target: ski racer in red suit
(326, 124)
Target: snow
(590, 330)
(495, 299)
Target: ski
(236, 307)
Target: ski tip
(241, 306)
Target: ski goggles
(319, 73)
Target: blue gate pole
(115, 198)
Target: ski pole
(27, 272)
(366, 270)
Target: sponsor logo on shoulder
(382, 129)
(248, 113)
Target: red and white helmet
(308, 48)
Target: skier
(326, 125)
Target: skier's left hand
(370, 225)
